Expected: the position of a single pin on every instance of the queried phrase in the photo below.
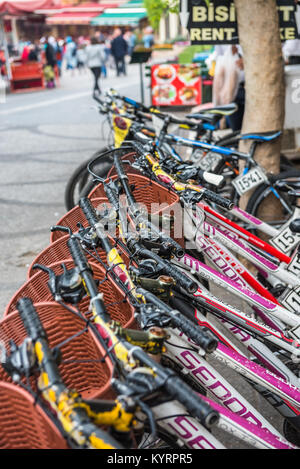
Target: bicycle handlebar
(183, 280)
(164, 377)
(178, 390)
(203, 338)
(79, 423)
(217, 199)
(197, 191)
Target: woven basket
(157, 199)
(81, 368)
(37, 289)
(74, 216)
(24, 424)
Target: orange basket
(74, 216)
(145, 192)
(57, 252)
(24, 424)
(81, 367)
(157, 199)
(37, 289)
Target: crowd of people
(99, 53)
(226, 66)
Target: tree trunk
(259, 36)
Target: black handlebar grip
(112, 196)
(89, 211)
(78, 255)
(30, 318)
(183, 280)
(179, 390)
(198, 408)
(218, 199)
(204, 339)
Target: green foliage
(156, 9)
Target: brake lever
(21, 360)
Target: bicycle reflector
(120, 123)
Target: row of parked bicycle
(117, 339)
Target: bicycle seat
(261, 136)
(295, 226)
(210, 119)
(225, 110)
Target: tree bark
(259, 36)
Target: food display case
(176, 85)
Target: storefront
(76, 20)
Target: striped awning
(120, 17)
(79, 14)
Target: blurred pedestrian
(25, 51)
(60, 54)
(291, 52)
(119, 50)
(34, 52)
(130, 38)
(81, 58)
(95, 59)
(50, 55)
(148, 38)
(229, 82)
(70, 54)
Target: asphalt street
(43, 137)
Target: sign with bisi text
(215, 21)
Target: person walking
(81, 58)
(50, 55)
(119, 50)
(130, 38)
(70, 54)
(148, 38)
(95, 60)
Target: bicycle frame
(180, 351)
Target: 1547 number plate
(248, 181)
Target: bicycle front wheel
(81, 181)
(265, 196)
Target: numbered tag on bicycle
(209, 161)
(250, 180)
(294, 265)
(286, 240)
(291, 299)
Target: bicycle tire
(79, 180)
(291, 433)
(264, 190)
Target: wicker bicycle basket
(114, 298)
(156, 198)
(74, 216)
(24, 424)
(84, 366)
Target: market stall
(21, 76)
